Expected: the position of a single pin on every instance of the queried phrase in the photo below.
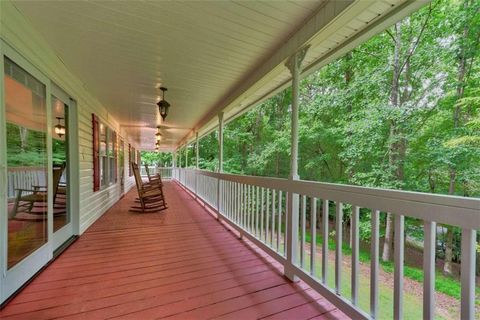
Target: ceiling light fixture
(158, 135)
(163, 105)
(59, 129)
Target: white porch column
(294, 65)
(186, 155)
(220, 142)
(174, 164)
(197, 153)
(220, 161)
(180, 157)
(197, 150)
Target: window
(104, 155)
(112, 156)
(132, 158)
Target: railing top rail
(26, 168)
(454, 210)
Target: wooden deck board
(177, 264)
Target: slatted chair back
(57, 176)
(157, 177)
(147, 170)
(138, 178)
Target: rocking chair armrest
(39, 187)
(28, 190)
(25, 190)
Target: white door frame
(67, 231)
(13, 279)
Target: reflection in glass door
(121, 167)
(27, 163)
(59, 156)
(62, 226)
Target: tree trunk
(387, 253)
(394, 152)
(462, 68)
(277, 164)
(351, 171)
(23, 137)
(448, 266)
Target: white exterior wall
(20, 35)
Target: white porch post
(197, 153)
(186, 155)
(197, 150)
(180, 164)
(220, 160)
(180, 157)
(220, 142)
(174, 164)
(294, 65)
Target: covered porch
(230, 246)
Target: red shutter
(115, 165)
(96, 158)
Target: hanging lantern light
(163, 105)
(59, 128)
(158, 135)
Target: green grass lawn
(413, 306)
(443, 284)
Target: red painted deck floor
(177, 264)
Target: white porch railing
(165, 172)
(24, 178)
(259, 208)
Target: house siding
(18, 33)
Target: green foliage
(161, 159)
(347, 117)
(208, 155)
(353, 131)
(26, 148)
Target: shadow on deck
(177, 264)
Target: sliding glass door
(37, 131)
(26, 160)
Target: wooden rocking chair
(150, 195)
(156, 178)
(26, 202)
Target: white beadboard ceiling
(202, 51)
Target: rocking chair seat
(39, 197)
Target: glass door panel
(61, 190)
(121, 162)
(27, 163)
(61, 214)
